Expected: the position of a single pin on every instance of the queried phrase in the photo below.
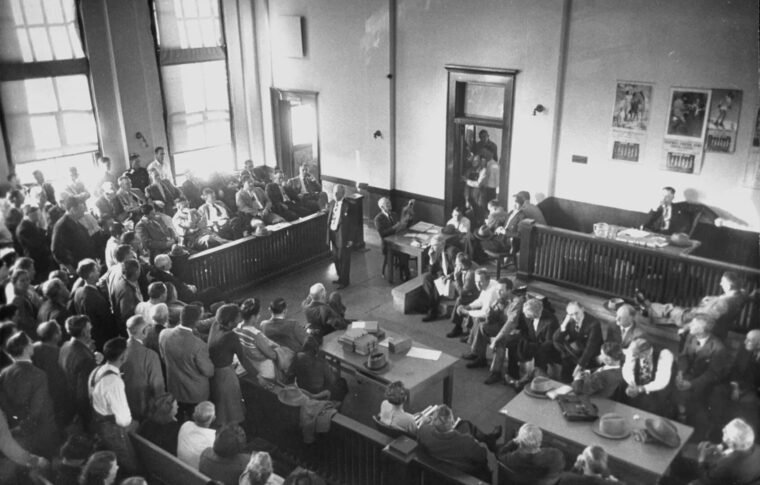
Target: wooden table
(401, 243)
(629, 460)
(416, 374)
(669, 249)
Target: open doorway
(296, 130)
(478, 137)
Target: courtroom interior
(380, 242)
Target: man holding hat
(188, 365)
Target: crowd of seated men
(86, 361)
(62, 225)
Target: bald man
(342, 233)
(626, 329)
(387, 224)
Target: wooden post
(526, 256)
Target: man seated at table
(467, 291)
(626, 328)
(464, 446)
(500, 323)
(703, 364)
(534, 349)
(578, 340)
(526, 459)
(647, 372)
(439, 266)
(734, 461)
(724, 308)
(387, 224)
(670, 218)
(607, 379)
(458, 227)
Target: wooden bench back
(165, 467)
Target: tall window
(44, 88)
(193, 63)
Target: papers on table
(635, 233)
(422, 226)
(365, 325)
(560, 391)
(427, 354)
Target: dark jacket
(682, 217)
(704, 366)
(583, 342)
(88, 300)
(71, 243)
(459, 449)
(77, 361)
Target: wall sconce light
(538, 109)
(377, 134)
(140, 137)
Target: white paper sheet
(427, 354)
(560, 391)
(359, 324)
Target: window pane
(33, 12)
(80, 129)
(75, 41)
(74, 93)
(60, 40)
(23, 45)
(56, 169)
(189, 9)
(40, 95)
(53, 11)
(484, 100)
(208, 28)
(182, 24)
(205, 162)
(40, 44)
(45, 132)
(17, 11)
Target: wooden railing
(244, 262)
(611, 268)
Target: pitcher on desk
(671, 218)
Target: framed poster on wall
(630, 119)
(685, 130)
(723, 120)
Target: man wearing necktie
(387, 224)
(253, 205)
(673, 217)
(578, 340)
(282, 203)
(342, 233)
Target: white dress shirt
(163, 169)
(191, 441)
(108, 396)
(462, 225)
(661, 377)
(335, 220)
(485, 300)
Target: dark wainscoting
(718, 243)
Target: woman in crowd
(56, 302)
(227, 459)
(392, 409)
(223, 344)
(590, 469)
(162, 427)
(314, 375)
(259, 471)
(100, 469)
(258, 349)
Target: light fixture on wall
(140, 137)
(377, 134)
(538, 109)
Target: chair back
(391, 431)
(507, 475)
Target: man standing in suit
(89, 301)
(77, 361)
(626, 330)
(125, 293)
(33, 242)
(24, 394)
(342, 233)
(188, 365)
(71, 242)
(578, 340)
(388, 223)
(45, 356)
(703, 364)
(141, 371)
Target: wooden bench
(409, 296)
(165, 468)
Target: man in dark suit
(46, 355)
(108, 206)
(626, 329)
(578, 340)
(734, 461)
(308, 190)
(141, 370)
(648, 372)
(743, 398)
(188, 365)
(77, 361)
(342, 233)
(439, 266)
(162, 192)
(71, 243)
(125, 294)
(387, 224)
(138, 175)
(155, 236)
(704, 362)
(33, 242)
(89, 301)
(24, 394)
(607, 380)
(536, 327)
(283, 331)
(284, 204)
(670, 218)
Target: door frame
(458, 76)
(283, 151)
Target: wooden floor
(369, 298)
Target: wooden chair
(508, 257)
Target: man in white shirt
(196, 435)
(158, 164)
(489, 294)
(647, 372)
(112, 419)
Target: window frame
(168, 56)
(21, 71)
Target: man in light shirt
(159, 164)
(647, 371)
(489, 294)
(196, 435)
(112, 419)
